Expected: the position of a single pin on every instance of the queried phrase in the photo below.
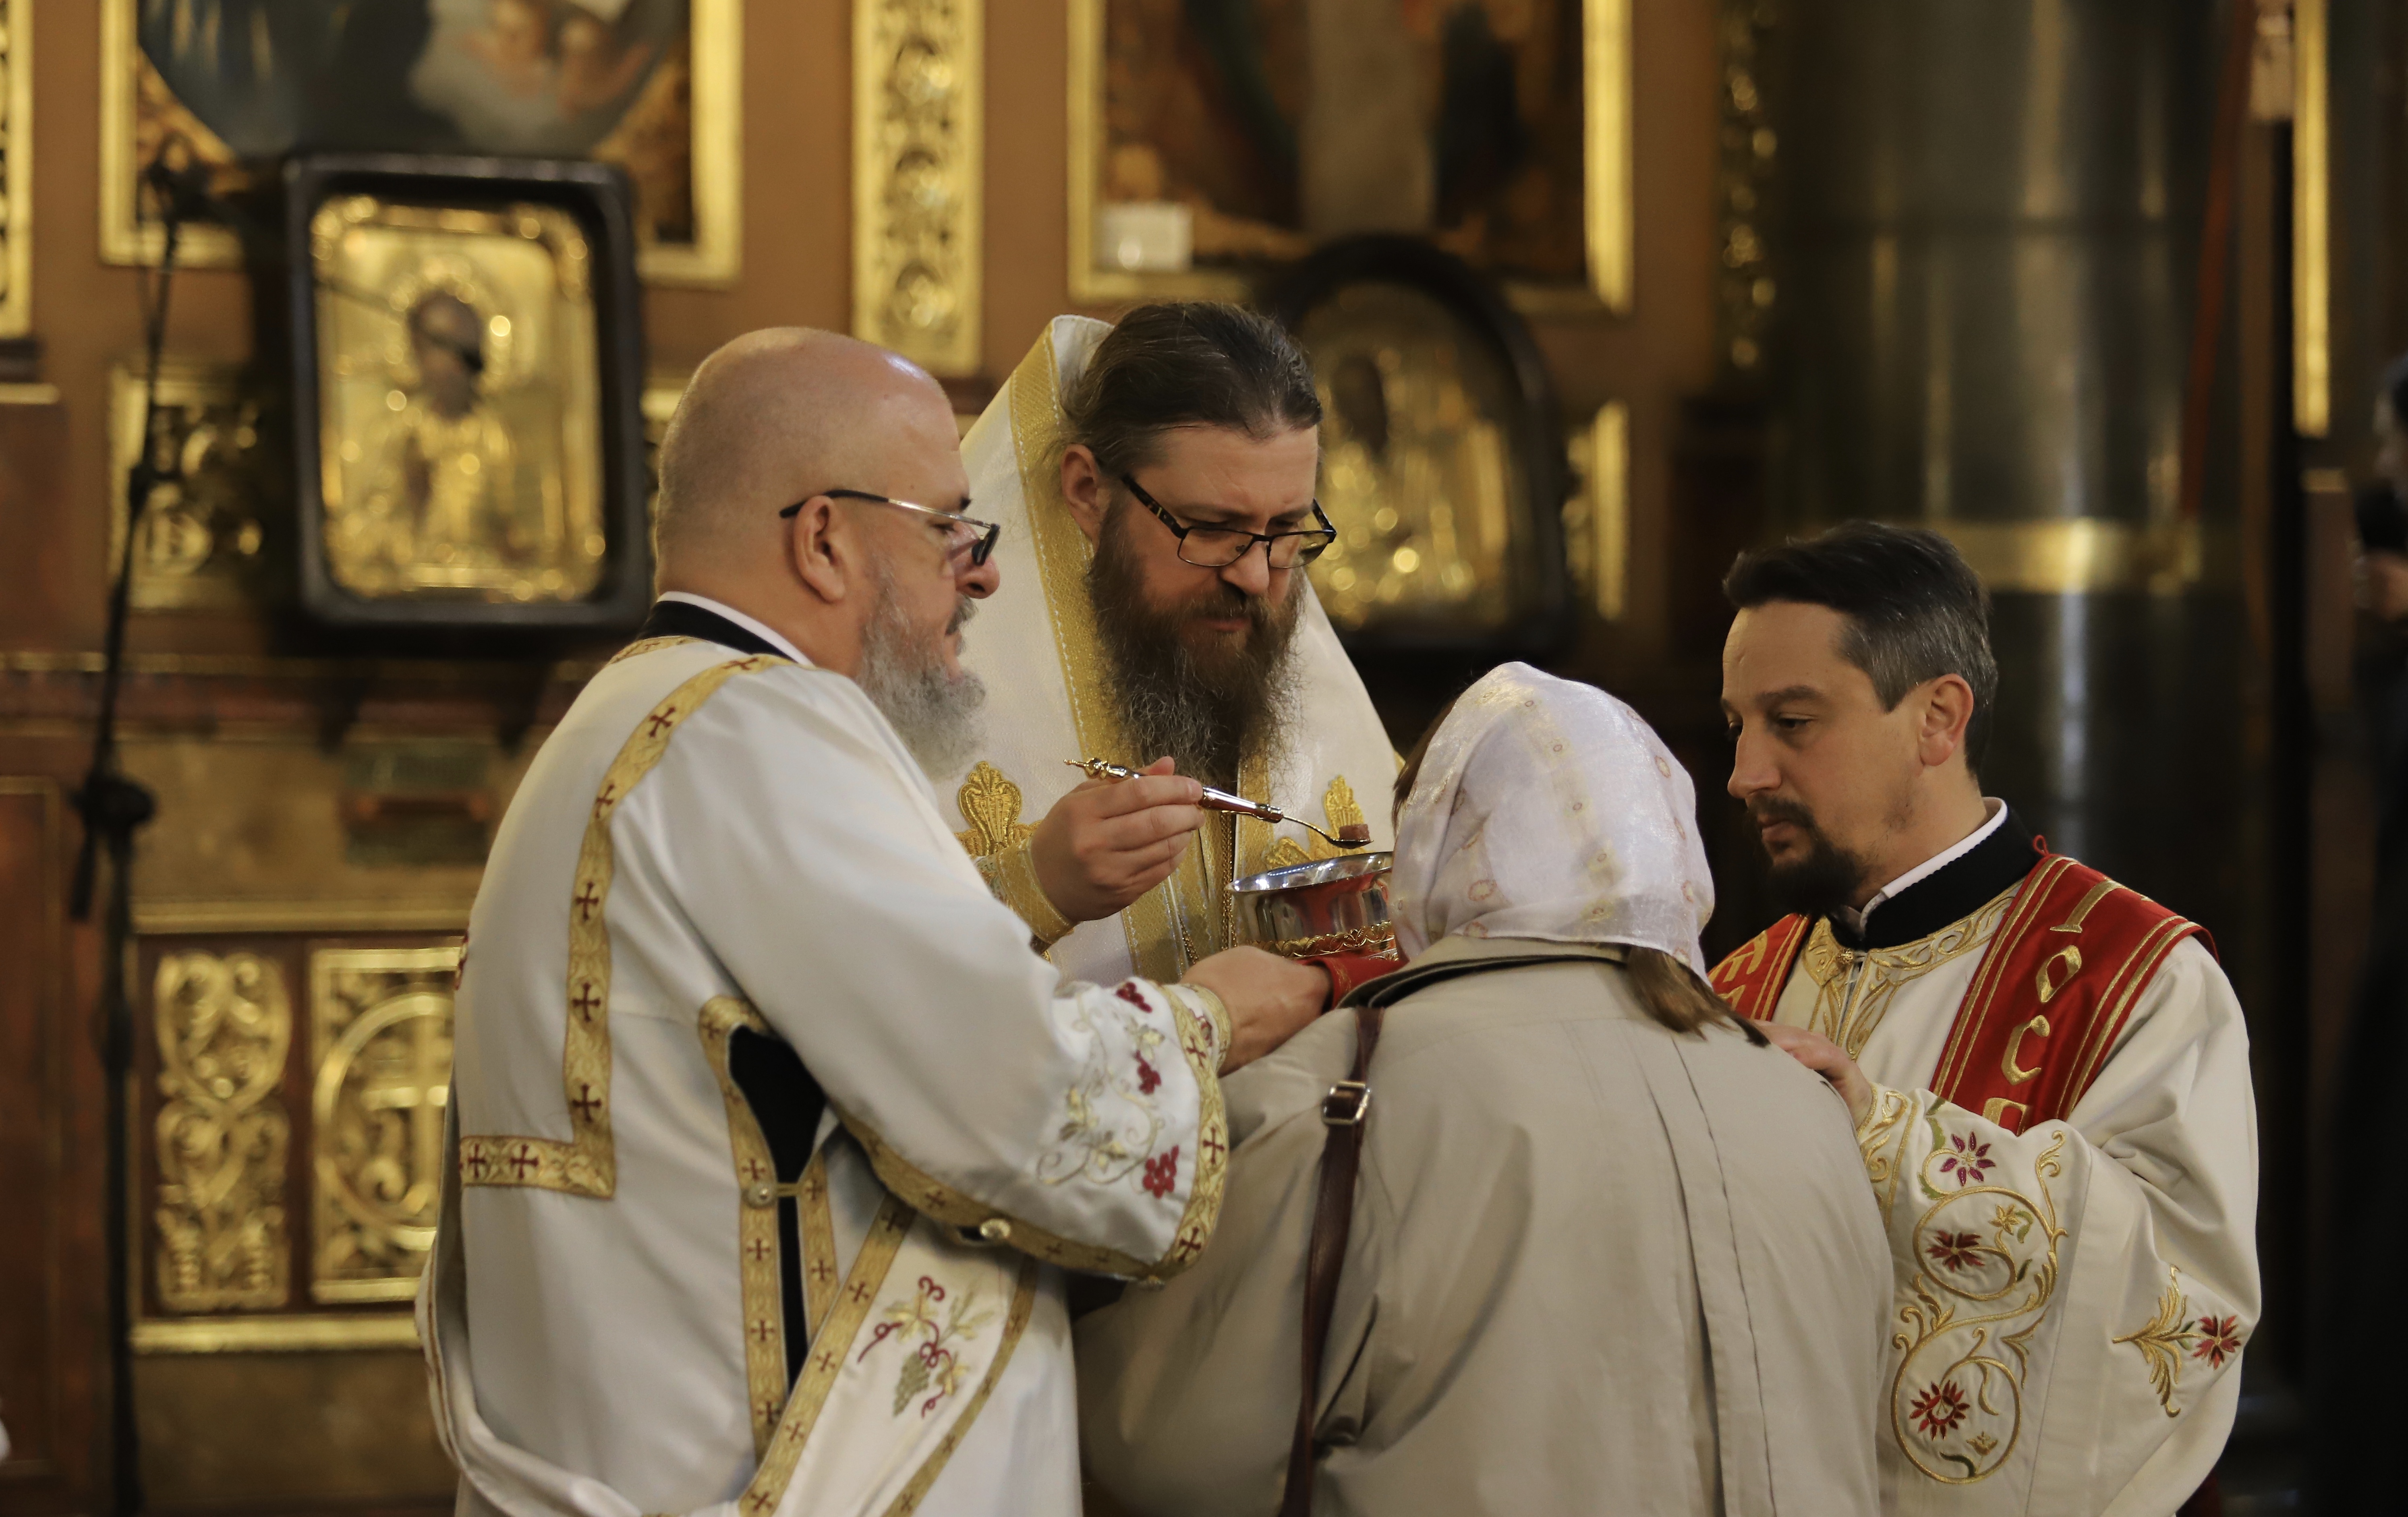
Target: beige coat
(1595, 1267)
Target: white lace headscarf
(1546, 808)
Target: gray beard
(903, 674)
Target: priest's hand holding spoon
(1109, 841)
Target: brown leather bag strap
(1342, 1112)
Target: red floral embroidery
(2219, 1338)
(1967, 1160)
(1148, 1077)
(1939, 1409)
(1161, 1174)
(1956, 1251)
(1131, 993)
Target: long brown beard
(1205, 710)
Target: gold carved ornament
(587, 1163)
(204, 540)
(224, 1026)
(919, 161)
(1958, 1423)
(380, 1036)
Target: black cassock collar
(1954, 890)
(685, 619)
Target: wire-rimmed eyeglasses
(1217, 548)
(961, 531)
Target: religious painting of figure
(1223, 136)
(644, 84)
(459, 420)
(1440, 467)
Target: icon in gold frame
(466, 394)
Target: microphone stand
(114, 807)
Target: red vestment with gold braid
(2054, 988)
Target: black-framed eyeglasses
(961, 531)
(1217, 548)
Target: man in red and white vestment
(2049, 1071)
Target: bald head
(780, 414)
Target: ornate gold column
(918, 177)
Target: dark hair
(1916, 610)
(1186, 364)
(1669, 988)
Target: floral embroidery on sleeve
(2173, 1334)
(1112, 1118)
(1162, 1174)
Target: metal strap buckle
(1346, 1103)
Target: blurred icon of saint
(440, 510)
(1413, 477)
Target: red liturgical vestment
(2062, 1147)
(2055, 987)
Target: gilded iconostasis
(439, 270)
(1597, 294)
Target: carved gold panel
(15, 167)
(919, 164)
(204, 542)
(224, 1025)
(1744, 288)
(380, 1042)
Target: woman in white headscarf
(1607, 1252)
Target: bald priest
(771, 1138)
(2049, 1072)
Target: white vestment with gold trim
(710, 843)
(2071, 1300)
(1036, 646)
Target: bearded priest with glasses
(1155, 484)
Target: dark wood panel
(49, 1185)
(37, 574)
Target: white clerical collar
(759, 629)
(1853, 919)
